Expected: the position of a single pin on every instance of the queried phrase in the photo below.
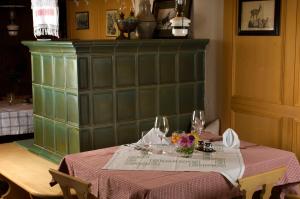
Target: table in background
(15, 119)
(110, 184)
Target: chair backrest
(67, 182)
(267, 180)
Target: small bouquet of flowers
(185, 143)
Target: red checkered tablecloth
(112, 184)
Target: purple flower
(186, 140)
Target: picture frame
(111, 28)
(259, 17)
(163, 11)
(82, 20)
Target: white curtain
(45, 15)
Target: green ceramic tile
(71, 73)
(173, 125)
(46, 154)
(110, 107)
(127, 133)
(61, 138)
(85, 140)
(36, 69)
(59, 78)
(167, 68)
(73, 140)
(148, 46)
(47, 70)
(72, 109)
(38, 131)
(48, 102)
(128, 47)
(186, 67)
(200, 93)
(147, 103)
(147, 69)
(101, 49)
(60, 106)
(146, 125)
(84, 109)
(49, 134)
(200, 74)
(102, 72)
(37, 99)
(103, 108)
(186, 98)
(83, 73)
(125, 70)
(167, 100)
(104, 137)
(185, 122)
(126, 105)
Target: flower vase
(185, 152)
(146, 19)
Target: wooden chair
(67, 182)
(6, 189)
(267, 180)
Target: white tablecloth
(15, 119)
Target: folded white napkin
(153, 137)
(231, 139)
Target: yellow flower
(175, 137)
(196, 136)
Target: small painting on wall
(259, 17)
(111, 25)
(82, 20)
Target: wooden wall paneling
(289, 31)
(288, 133)
(296, 138)
(258, 128)
(263, 80)
(297, 65)
(258, 68)
(229, 34)
(277, 109)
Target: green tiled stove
(96, 94)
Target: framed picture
(82, 20)
(163, 11)
(258, 17)
(110, 24)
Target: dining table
(15, 118)
(150, 184)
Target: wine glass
(195, 120)
(161, 126)
(198, 121)
(201, 121)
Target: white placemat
(227, 161)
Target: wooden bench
(28, 171)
